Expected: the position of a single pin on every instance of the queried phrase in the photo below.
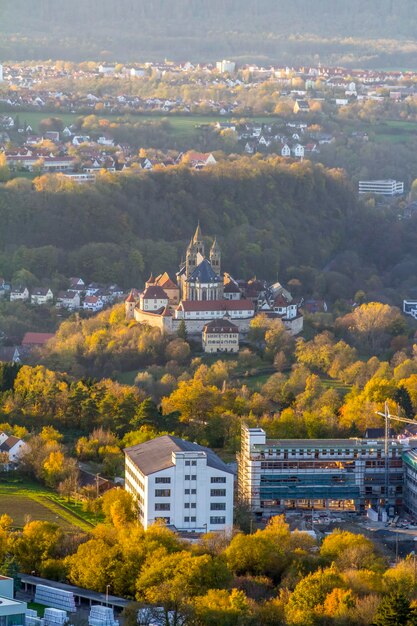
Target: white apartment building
(184, 484)
(387, 187)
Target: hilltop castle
(203, 294)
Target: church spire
(215, 246)
(197, 241)
(215, 256)
(197, 236)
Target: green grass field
(24, 501)
(182, 125)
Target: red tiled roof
(216, 305)
(36, 339)
(9, 443)
(130, 298)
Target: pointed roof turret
(197, 235)
(130, 297)
(151, 279)
(215, 246)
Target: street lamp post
(107, 595)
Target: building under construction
(354, 474)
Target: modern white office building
(12, 612)
(387, 187)
(184, 484)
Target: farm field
(25, 501)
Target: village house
(10, 354)
(19, 293)
(68, 300)
(13, 446)
(36, 340)
(93, 304)
(301, 106)
(41, 295)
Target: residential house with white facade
(19, 293)
(41, 295)
(13, 446)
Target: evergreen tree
(147, 414)
(394, 610)
(8, 373)
(402, 397)
(182, 330)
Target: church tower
(215, 257)
(198, 240)
(195, 247)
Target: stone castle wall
(171, 325)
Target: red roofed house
(36, 340)
(93, 304)
(199, 159)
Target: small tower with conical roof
(150, 282)
(215, 257)
(130, 304)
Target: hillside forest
(291, 32)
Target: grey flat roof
(77, 591)
(156, 455)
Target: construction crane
(388, 417)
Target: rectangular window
(218, 493)
(193, 491)
(193, 519)
(193, 462)
(193, 505)
(187, 477)
(162, 493)
(218, 479)
(194, 477)
(186, 519)
(187, 462)
(162, 506)
(218, 506)
(162, 479)
(187, 492)
(217, 520)
(187, 505)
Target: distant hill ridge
(200, 29)
(377, 18)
